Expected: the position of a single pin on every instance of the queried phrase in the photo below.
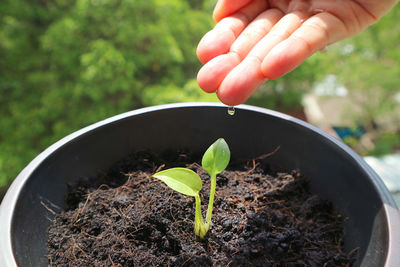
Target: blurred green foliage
(66, 64)
(386, 143)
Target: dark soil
(260, 218)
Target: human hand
(256, 40)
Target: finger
(212, 74)
(242, 81)
(226, 8)
(286, 26)
(255, 31)
(219, 40)
(315, 33)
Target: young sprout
(187, 182)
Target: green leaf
(217, 157)
(182, 180)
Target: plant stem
(211, 200)
(197, 216)
(200, 228)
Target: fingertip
(213, 73)
(241, 82)
(217, 11)
(229, 100)
(214, 43)
(226, 8)
(207, 81)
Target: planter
(336, 173)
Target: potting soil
(261, 217)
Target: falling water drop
(231, 110)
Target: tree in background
(66, 64)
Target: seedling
(187, 182)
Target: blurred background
(65, 64)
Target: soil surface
(261, 217)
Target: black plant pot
(336, 172)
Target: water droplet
(231, 110)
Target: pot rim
(10, 199)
